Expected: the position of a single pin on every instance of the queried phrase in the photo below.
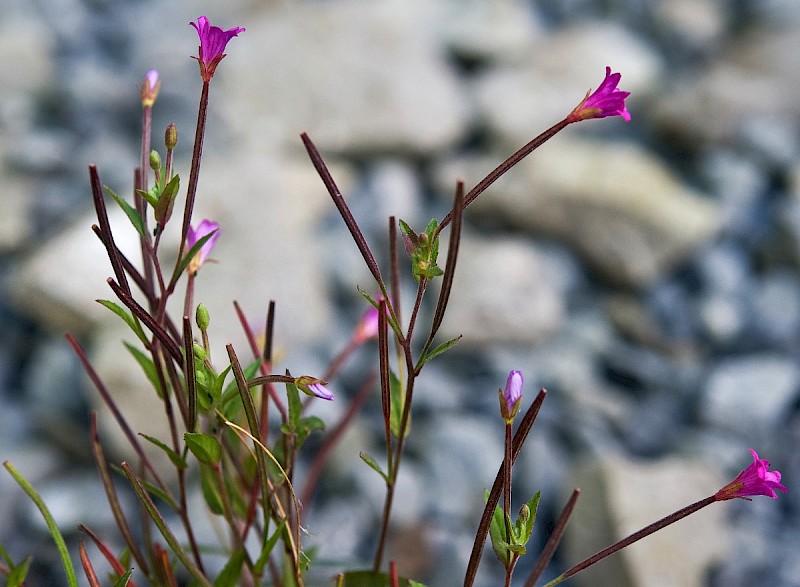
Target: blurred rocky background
(647, 274)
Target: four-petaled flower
(205, 227)
(756, 479)
(511, 396)
(150, 87)
(212, 45)
(606, 100)
(313, 386)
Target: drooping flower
(313, 386)
(367, 327)
(756, 479)
(511, 396)
(150, 87)
(205, 227)
(212, 45)
(606, 100)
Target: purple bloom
(756, 479)
(150, 87)
(205, 227)
(511, 396)
(313, 386)
(212, 45)
(606, 100)
(367, 327)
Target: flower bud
(155, 161)
(202, 318)
(313, 386)
(150, 87)
(199, 352)
(171, 136)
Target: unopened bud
(150, 87)
(171, 136)
(155, 161)
(199, 352)
(524, 513)
(202, 317)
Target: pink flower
(367, 327)
(205, 227)
(606, 100)
(756, 479)
(212, 45)
(313, 386)
(150, 87)
(511, 396)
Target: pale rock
(619, 497)
(751, 395)
(303, 67)
(615, 204)
(15, 225)
(694, 25)
(501, 294)
(521, 100)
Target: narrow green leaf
(176, 459)
(229, 576)
(372, 579)
(147, 366)
(129, 210)
(18, 574)
(187, 258)
(397, 397)
(205, 447)
(373, 465)
(439, 350)
(497, 533)
(210, 491)
(127, 317)
(295, 405)
(263, 558)
(163, 209)
(6, 557)
(123, 580)
(51, 523)
(150, 195)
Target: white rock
(500, 294)
(619, 497)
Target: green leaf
(49, 521)
(229, 576)
(372, 579)
(150, 195)
(263, 558)
(295, 406)
(132, 323)
(373, 465)
(147, 366)
(187, 258)
(211, 494)
(163, 209)
(524, 527)
(497, 533)
(439, 350)
(16, 578)
(205, 447)
(160, 494)
(129, 210)
(176, 459)
(397, 397)
(123, 580)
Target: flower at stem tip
(756, 479)
(204, 228)
(150, 87)
(313, 386)
(511, 396)
(212, 45)
(606, 100)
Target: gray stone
(500, 294)
(619, 207)
(619, 496)
(751, 394)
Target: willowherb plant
(220, 432)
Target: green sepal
(130, 211)
(132, 323)
(205, 447)
(372, 464)
(177, 460)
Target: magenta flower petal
(313, 386)
(756, 479)
(320, 391)
(205, 227)
(606, 100)
(212, 45)
(511, 396)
